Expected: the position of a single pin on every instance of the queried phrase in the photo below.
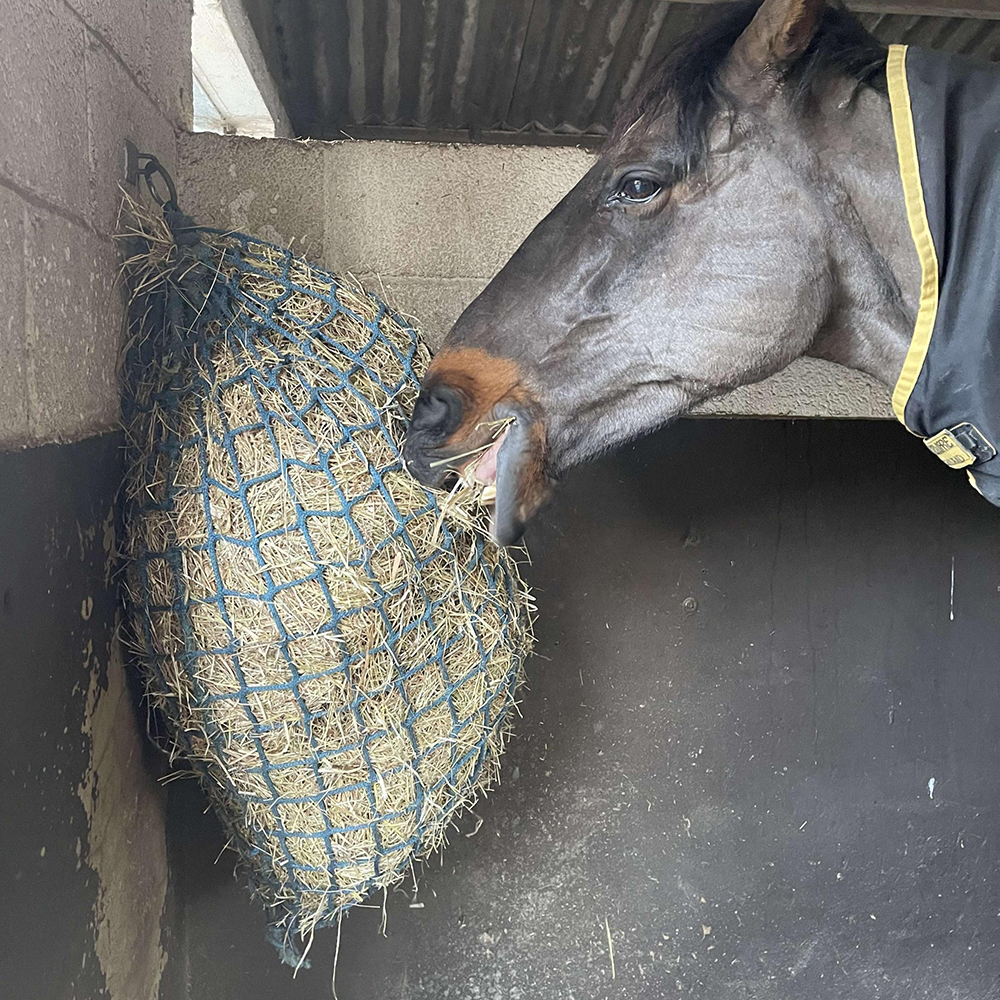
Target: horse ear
(779, 33)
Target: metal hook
(148, 167)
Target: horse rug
(946, 119)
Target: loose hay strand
(611, 947)
(335, 648)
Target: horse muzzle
(500, 440)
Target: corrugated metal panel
(539, 67)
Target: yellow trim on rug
(916, 213)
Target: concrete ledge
(439, 211)
(429, 225)
(272, 188)
(808, 387)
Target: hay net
(333, 647)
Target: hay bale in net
(334, 647)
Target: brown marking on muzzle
(493, 387)
(483, 380)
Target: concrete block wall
(84, 835)
(431, 224)
(76, 78)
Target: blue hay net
(231, 319)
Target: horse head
(744, 211)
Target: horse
(746, 210)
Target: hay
(335, 648)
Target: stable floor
(758, 751)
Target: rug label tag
(948, 448)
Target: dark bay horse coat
(946, 118)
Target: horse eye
(638, 189)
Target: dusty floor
(757, 751)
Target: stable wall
(430, 224)
(756, 750)
(82, 825)
(76, 78)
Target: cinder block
(125, 26)
(428, 225)
(72, 330)
(431, 304)
(271, 188)
(119, 110)
(170, 58)
(443, 210)
(14, 429)
(43, 142)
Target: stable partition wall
(82, 836)
(755, 758)
(757, 744)
(780, 759)
(429, 224)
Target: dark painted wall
(47, 572)
(748, 675)
(81, 820)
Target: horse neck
(876, 271)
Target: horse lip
(431, 467)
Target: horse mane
(690, 74)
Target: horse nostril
(435, 410)
(438, 411)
